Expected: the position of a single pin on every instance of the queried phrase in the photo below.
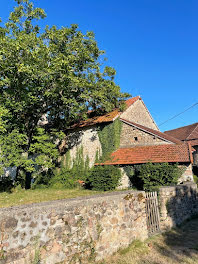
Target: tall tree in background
(55, 73)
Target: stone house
(187, 134)
(140, 140)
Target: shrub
(195, 177)
(69, 174)
(6, 184)
(151, 176)
(64, 179)
(103, 178)
(154, 175)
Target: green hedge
(151, 176)
(103, 178)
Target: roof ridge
(192, 130)
(181, 127)
(153, 132)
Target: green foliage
(53, 73)
(109, 136)
(64, 179)
(12, 150)
(40, 157)
(69, 173)
(104, 178)
(195, 178)
(44, 147)
(151, 176)
(80, 165)
(6, 184)
(3, 114)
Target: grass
(180, 245)
(20, 196)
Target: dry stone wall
(71, 230)
(177, 204)
(85, 230)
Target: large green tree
(54, 73)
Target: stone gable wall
(68, 230)
(139, 114)
(129, 133)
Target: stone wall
(187, 174)
(85, 230)
(177, 204)
(195, 156)
(88, 139)
(131, 136)
(139, 114)
(68, 230)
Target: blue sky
(152, 44)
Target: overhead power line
(179, 114)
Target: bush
(195, 177)
(154, 175)
(6, 184)
(151, 176)
(103, 178)
(42, 179)
(64, 179)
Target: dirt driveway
(177, 246)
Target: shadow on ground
(180, 245)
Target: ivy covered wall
(93, 143)
(109, 136)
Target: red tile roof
(153, 132)
(193, 142)
(131, 101)
(184, 133)
(109, 117)
(155, 154)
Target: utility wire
(179, 114)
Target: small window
(135, 138)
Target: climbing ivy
(109, 136)
(71, 171)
